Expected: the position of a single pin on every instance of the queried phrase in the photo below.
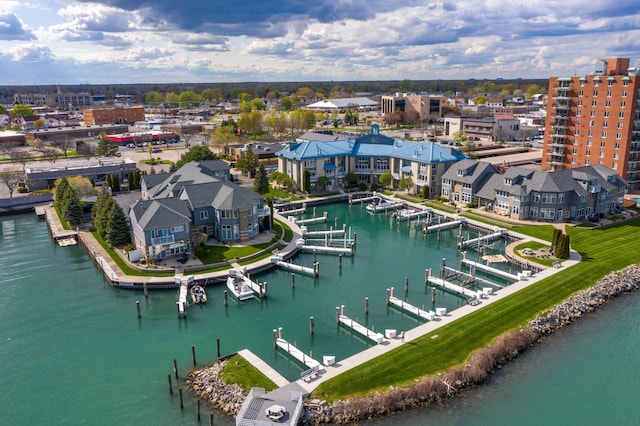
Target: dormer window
(508, 181)
(462, 172)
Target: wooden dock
(488, 269)
(297, 354)
(361, 329)
(439, 282)
(420, 313)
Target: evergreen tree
(306, 184)
(61, 194)
(130, 181)
(108, 182)
(562, 251)
(73, 211)
(100, 212)
(117, 232)
(107, 148)
(115, 181)
(248, 162)
(556, 237)
(425, 192)
(261, 183)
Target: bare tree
(11, 180)
(63, 143)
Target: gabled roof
(475, 171)
(343, 103)
(221, 195)
(315, 149)
(162, 213)
(190, 174)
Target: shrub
(472, 205)
(362, 186)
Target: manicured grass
(216, 254)
(279, 193)
(534, 245)
(288, 233)
(126, 269)
(602, 250)
(239, 371)
(543, 232)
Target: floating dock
(330, 232)
(348, 251)
(402, 215)
(312, 220)
(420, 313)
(297, 353)
(183, 282)
(489, 269)
(296, 268)
(499, 233)
(357, 327)
(439, 282)
(445, 225)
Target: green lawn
(602, 250)
(534, 245)
(279, 193)
(238, 370)
(216, 254)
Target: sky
(216, 41)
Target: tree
(195, 153)
(405, 184)
(11, 180)
(153, 98)
(212, 94)
(306, 181)
(85, 150)
(61, 193)
(82, 186)
(425, 192)
(73, 210)
(286, 103)
(248, 162)
(107, 148)
(100, 212)
(322, 182)
(188, 99)
(21, 110)
(261, 183)
(385, 179)
(118, 232)
(63, 143)
(115, 183)
(351, 179)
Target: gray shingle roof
(162, 213)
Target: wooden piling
(193, 355)
(146, 290)
(311, 326)
(210, 419)
(275, 338)
(138, 308)
(338, 314)
(406, 283)
(175, 367)
(443, 263)
(198, 409)
(170, 387)
(218, 346)
(226, 296)
(366, 306)
(340, 260)
(293, 280)
(433, 295)
(426, 276)
(388, 295)
(314, 255)
(181, 400)
(335, 222)
(316, 268)
(280, 332)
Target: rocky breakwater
(207, 384)
(482, 362)
(614, 284)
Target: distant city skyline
(164, 41)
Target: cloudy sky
(160, 41)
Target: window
(617, 146)
(607, 104)
(595, 93)
(623, 104)
(624, 93)
(225, 214)
(561, 198)
(204, 215)
(580, 102)
(605, 124)
(604, 134)
(602, 144)
(579, 112)
(535, 197)
(608, 93)
(610, 83)
(589, 142)
(615, 166)
(574, 151)
(586, 162)
(548, 198)
(596, 82)
(620, 125)
(573, 161)
(178, 228)
(615, 155)
(621, 114)
(601, 154)
(618, 135)
(235, 214)
(593, 113)
(606, 114)
(589, 133)
(591, 122)
(581, 93)
(625, 82)
(588, 152)
(594, 103)
(576, 132)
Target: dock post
(175, 367)
(340, 260)
(338, 314)
(366, 306)
(311, 325)
(218, 346)
(426, 276)
(438, 238)
(355, 238)
(181, 400)
(275, 338)
(325, 214)
(293, 280)
(193, 354)
(170, 387)
(198, 410)
(315, 252)
(138, 308)
(226, 302)
(433, 295)
(178, 306)
(335, 222)
(146, 290)
(316, 267)
(264, 286)
(388, 295)
(341, 309)
(210, 419)
(443, 263)
(406, 283)
(280, 332)
(314, 211)
(392, 291)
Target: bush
(22, 190)
(472, 205)
(362, 186)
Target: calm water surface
(72, 350)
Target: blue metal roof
(371, 146)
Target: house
(178, 209)
(463, 180)
(368, 157)
(553, 196)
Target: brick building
(595, 119)
(118, 115)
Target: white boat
(198, 294)
(379, 204)
(239, 286)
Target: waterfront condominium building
(595, 119)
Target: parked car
(131, 145)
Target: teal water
(72, 350)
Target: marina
(379, 204)
(241, 286)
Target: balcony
(594, 188)
(160, 241)
(555, 162)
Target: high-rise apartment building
(595, 119)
